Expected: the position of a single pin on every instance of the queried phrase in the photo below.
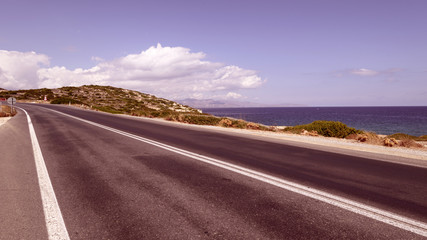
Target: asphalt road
(110, 186)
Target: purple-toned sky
(316, 53)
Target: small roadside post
(11, 101)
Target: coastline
(383, 120)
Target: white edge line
(55, 225)
(401, 222)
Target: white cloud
(19, 69)
(364, 72)
(97, 59)
(233, 95)
(56, 77)
(171, 72)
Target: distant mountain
(211, 103)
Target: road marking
(393, 219)
(54, 222)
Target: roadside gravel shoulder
(340, 143)
(3, 120)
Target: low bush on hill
(199, 119)
(64, 100)
(239, 124)
(400, 136)
(107, 109)
(325, 128)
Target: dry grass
(390, 142)
(373, 138)
(6, 111)
(367, 137)
(402, 136)
(253, 126)
(409, 143)
(225, 122)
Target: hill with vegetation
(104, 98)
(122, 101)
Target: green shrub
(240, 124)
(64, 100)
(107, 109)
(326, 128)
(200, 119)
(160, 114)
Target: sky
(307, 52)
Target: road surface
(117, 177)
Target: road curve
(110, 186)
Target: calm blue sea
(381, 120)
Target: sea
(381, 120)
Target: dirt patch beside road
(3, 120)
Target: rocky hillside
(104, 98)
(123, 101)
